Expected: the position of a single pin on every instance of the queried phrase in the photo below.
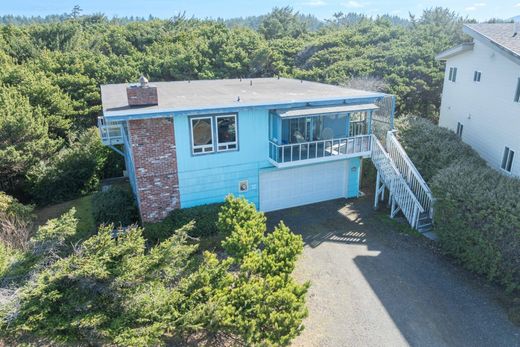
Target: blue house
(278, 142)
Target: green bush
(73, 172)
(432, 148)
(243, 224)
(116, 291)
(477, 214)
(115, 206)
(205, 218)
(16, 222)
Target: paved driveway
(372, 286)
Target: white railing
(410, 173)
(399, 189)
(111, 134)
(319, 150)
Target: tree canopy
(51, 70)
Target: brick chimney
(142, 93)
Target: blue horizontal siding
(208, 178)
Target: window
(226, 132)
(476, 76)
(517, 94)
(453, 74)
(460, 127)
(216, 133)
(202, 135)
(507, 159)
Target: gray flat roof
(214, 94)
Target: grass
(403, 228)
(15, 264)
(83, 205)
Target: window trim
(193, 146)
(453, 74)
(507, 160)
(517, 92)
(477, 75)
(227, 144)
(460, 129)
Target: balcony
(319, 134)
(318, 151)
(111, 133)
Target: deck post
(376, 198)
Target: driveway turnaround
(374, 286)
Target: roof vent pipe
(143, 82)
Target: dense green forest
(51, 71)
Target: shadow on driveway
(371, 286)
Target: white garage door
(302, 185)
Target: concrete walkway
(372, 286)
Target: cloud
(517, 5)
(354, 4)
(315, 3)
(475, 6)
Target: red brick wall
(155, 160)
(139, 96)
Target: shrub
(477, 212)
(264, 306)
(432, 148)
(116, 291)
(243, 224)
(16, 222)
(73, 172)
(115, 206)
(205, 218)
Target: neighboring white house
(481, 94)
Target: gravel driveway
(372, 286)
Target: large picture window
(202, 135)
(226, 132)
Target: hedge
(205, 218)
(115, 206)
(477, 210)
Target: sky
(477, 9)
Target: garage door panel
(302, 185)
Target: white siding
(490, 117)
(303, 185)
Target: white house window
(226, 132)
(507, 160)
(476, 76)
(202, 135)
(453, 74)
(460, 127)
(517, 93)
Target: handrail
(408, 160)
(313, 142)
(412, 176)
(110, 133)
(409, 204)
(310, 150)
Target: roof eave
(453, 51)
(491, 43)
(152, 113)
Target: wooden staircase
(408, 192)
